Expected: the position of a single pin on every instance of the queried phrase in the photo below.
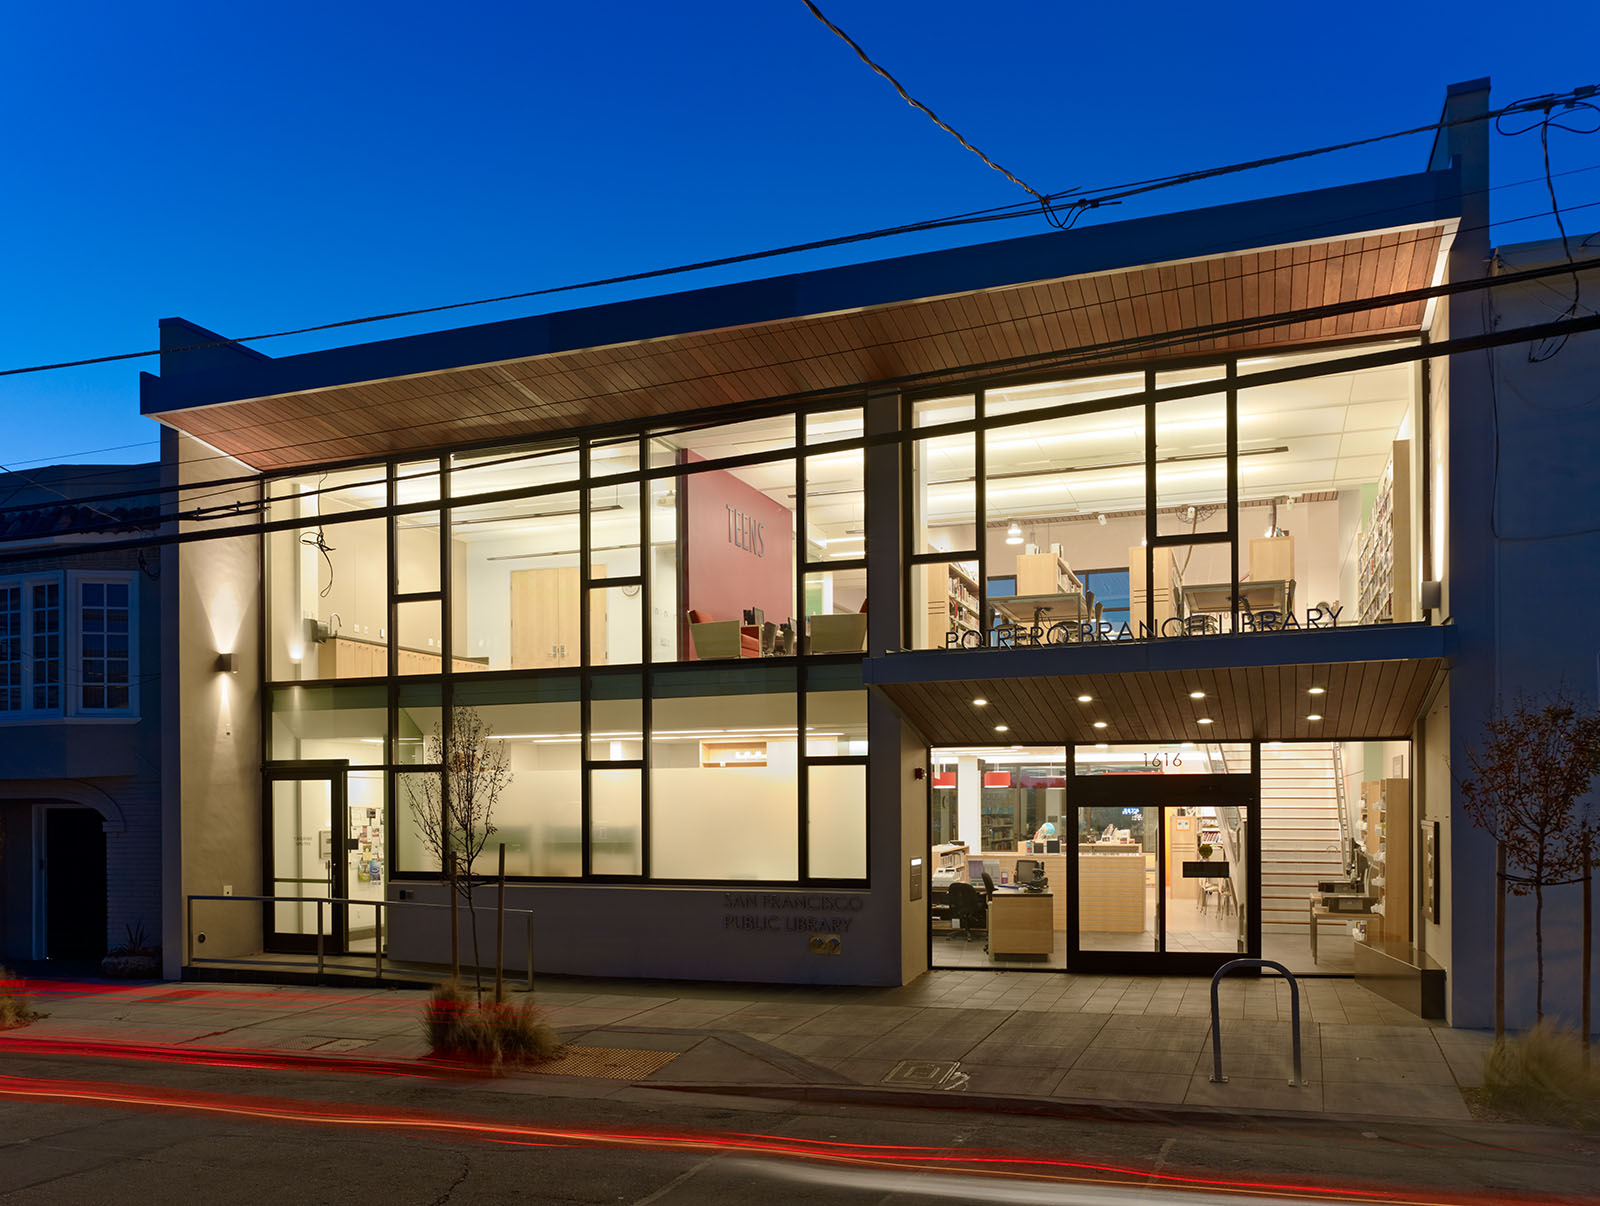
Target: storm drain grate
(922, 1073)
(612, 1063)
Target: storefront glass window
(836, 834)
(514, 584)
(329, 722)
(416, 719)
(327, 598)
(1328, 489)
(724, 779)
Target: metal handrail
(1217, 1078)
(319, 901)
(1346, 837)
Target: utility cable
(1091, 199)
(931, 115)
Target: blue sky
(255, 167)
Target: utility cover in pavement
(922, 1073)
(611, 1063)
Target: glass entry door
(306, 826)
(1160, 872)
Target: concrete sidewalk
(1030, 1038)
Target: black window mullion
(802, 684)
(1230, 377)
(1150, 503)
(392, 577)
(980, 494)
(646, 660)
(802, 550)
(586, 669)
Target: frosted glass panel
(837, 841)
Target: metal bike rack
(1217, 1078)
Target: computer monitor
(1052, 846)
(975, 870)
(1028, 870)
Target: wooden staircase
(1300, 840)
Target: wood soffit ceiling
(1362, 701)
(624, 383)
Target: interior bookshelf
(952, 602)
(1386, 592)
(1384, 833)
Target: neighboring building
(1068, 537)
(80, 703)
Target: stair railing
(1346, 836)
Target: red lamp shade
(997, 778)
(944, 778)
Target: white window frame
(26, 583)
(72, 621)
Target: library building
(1078, 602)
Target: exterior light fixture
(1014, 534)
(1099, 724)
(1317, 691)
(1085, 698)
(1002, 728)
(227, 663)
(1197, 694)
(980, 702)
(1204, 720)
(1315, 716)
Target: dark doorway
(75, 884)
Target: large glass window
(348, 723)
(724, 776)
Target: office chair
(967, 907)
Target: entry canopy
(1374, 683)
(1093, 296)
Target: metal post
(500, 933)
(1217, 1078)
(377, 940)
(319, 940)
(455, 921)
(529, 924)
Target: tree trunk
(455, 921)
(1500, 941)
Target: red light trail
(903, 1158)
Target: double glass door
(1160, 872)
(324, 840)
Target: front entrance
(1143, 857)
(319, 847)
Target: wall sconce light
(227, 663)
(1432, 595)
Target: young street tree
(1527, 775)
(455, 814)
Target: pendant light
(1014, 534)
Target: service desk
(1021, 923)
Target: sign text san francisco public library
(1065, 632)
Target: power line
(221, 456)
(1090, 199)
(932, 116)
(1056, 359)
(1449, 347)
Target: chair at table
(966, 906)
(722, 638)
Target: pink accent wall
(738, 549)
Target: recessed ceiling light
(1188, 745)
(1272, 745)
(1204, 720)
(1016, 747)
(1197, 694)
(1101, 745)
(1099, 724)
(1315, 716)
(1002, 728)
(980, 702)
(1317, 691)
(1086, 699)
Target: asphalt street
(99, 1130)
